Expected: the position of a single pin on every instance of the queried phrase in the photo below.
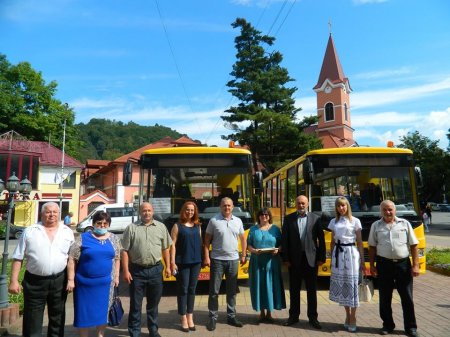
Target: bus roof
(359, 149)
(343, 150)
(195, 150)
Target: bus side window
(316, 193)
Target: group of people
(89, 266)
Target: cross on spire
(329, 26)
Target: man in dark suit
(303, 250)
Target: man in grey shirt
(222, 233)
(144, 244)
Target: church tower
(333, 102)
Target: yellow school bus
(365, 175)
(171, 176)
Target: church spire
(331, 67)
(334, 126)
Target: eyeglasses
(264, 214)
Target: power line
(284, 20)
(278, 15)
(174, 58)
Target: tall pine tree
(265, 117)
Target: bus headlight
(421, 252)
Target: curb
(439, 270)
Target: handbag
(115, 312)
(365, 290)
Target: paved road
(431, 292)
(439, 235)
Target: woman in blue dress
(266, 283)
(93, 272)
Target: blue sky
(167, 61)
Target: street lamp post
(13, 186)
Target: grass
(439, 258)
(16, 298)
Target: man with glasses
(144, 244)
(302, 251)
(222, 234)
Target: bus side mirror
(308, 172)
(418, 174)
(127, 173)
(257, 181)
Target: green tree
(28, 106)
(110, 139)
(265, 117)
(433, 161)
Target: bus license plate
(203, 276)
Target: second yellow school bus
(365, 175)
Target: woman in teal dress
(266, 283)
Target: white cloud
(386, 73)
(393, 95)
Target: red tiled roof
(86, 196)
(96, 162)
(49, 155)
(165, 142)
(331, 67)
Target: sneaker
(211, 326)
(234, 322)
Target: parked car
(15, 232)
(434, 206)
(444, 207)
(121, 217)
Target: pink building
(102, 179)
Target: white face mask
(100, 231)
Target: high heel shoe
(192, 328)
(346, 325)
(352, 328)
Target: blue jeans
(148, 282)
(186, 284)
(217, 270)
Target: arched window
(329, 112)
(346, 111)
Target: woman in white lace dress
(347, 260)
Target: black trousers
(147, 281)
(39, 291)
(396, 275)
(298, 274)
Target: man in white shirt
(391, 242)
(45, 246)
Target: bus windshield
(169, 180)
(364, 187)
